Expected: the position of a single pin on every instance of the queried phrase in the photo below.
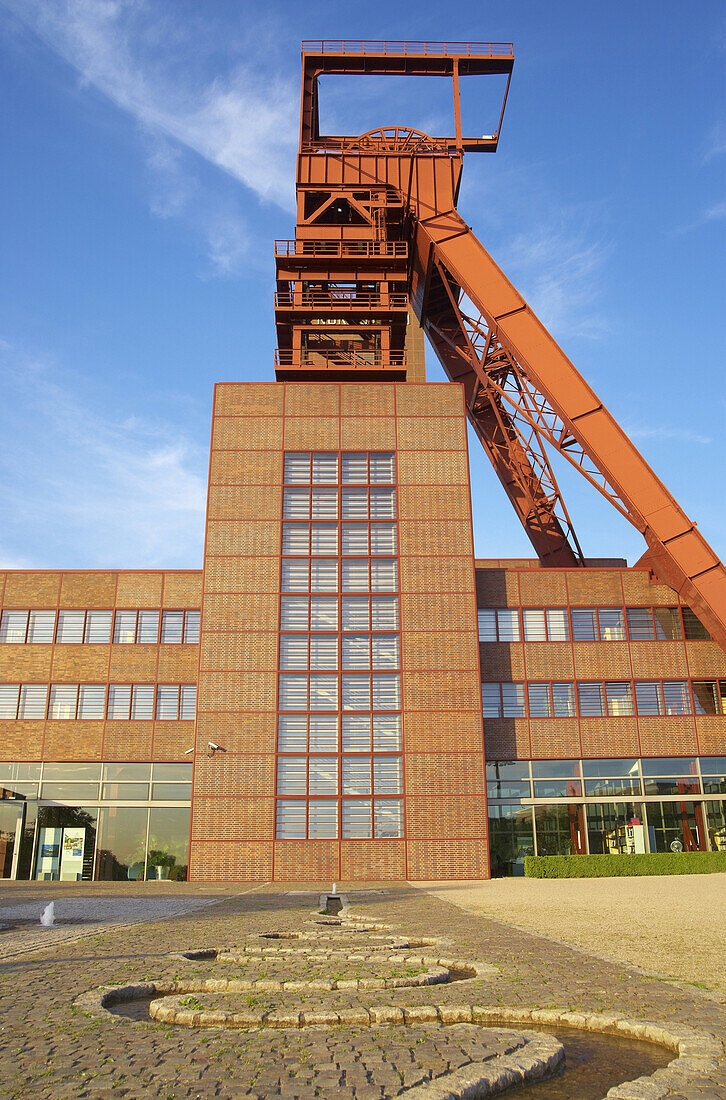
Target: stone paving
(50, 1048)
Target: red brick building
(342, 691)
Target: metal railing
(339, 299)
(341, 360)
(352, 249)
(389, 46)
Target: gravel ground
(671, 925)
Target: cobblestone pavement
(50, 1049)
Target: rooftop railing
(339, 299)
(393, 46)
(343, 249)
(337, 359)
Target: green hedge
(604, 866)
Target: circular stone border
(698, 1052)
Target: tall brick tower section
(339, 662)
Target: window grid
(340, 664)
(603, 698)
(590, 624)
(140, 702)
(98, 627)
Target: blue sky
(148, 155)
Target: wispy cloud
(558, 270)
(152, 66)
(715, 145)
(664, 433)
(88, 489)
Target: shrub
(605, 866)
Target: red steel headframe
(378, 231)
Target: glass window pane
(513, 701)
(356, 651)
(667, 623)
(384, 612)
(356, 613)
(619, 697)
(9, 700)
(323, 693)
(612, 626)
(323, 775)
(297, 468)
(355, 468)
(563, 700)
(294, 612)
(388, 817)
(539, 701)
(535, 629)
(383, 538)
(354, 504)
(70, 626)
(147, 630)
(487, 620)
(296, 504)
(557, 625)
(292, 733)
(124, 627)
(296, 538)
(119, 701)
(325, 469)
(387, 775)
(584, 625)
(295, 576)
(382, 467)
(33, 701)
(508, 626)
(590, 699)
(710, 765)
(323, 733)
(291, 775)
(668, 765)
(322, 819)
(640, 624)
(383, 504)
(168, 855)
(384, 576)
(293, 651)
(172, 626)
(676, 698)
(356, 818)
(187, 702)
(693, 627)
(324, 538)
(173, 773)
(290, 823)
(13, 626)
(385, 651)
(355, 575)
(356, 775)
(323, 613)
(626, 767)
(171, 792)
(491, 696)
(324, 651)
(142, 702)
(139, 773)
(325, 504)
(648, 697)
(293, 693)
(508, 769)
(560, 830)
(555, 769)
(41, 626)
(355, 538)
(167, 702)
(191, 627)
(63, 698)
(357, 732)
(705, 696)
(557, 788)
(92, 701)
(98, 627)
(356, 693)
(323, 575)
(386, 732)
(121, 850)
(386, 691)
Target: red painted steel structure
(378, 231)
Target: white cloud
(662, 432)
(80, 489)
(141, 58)
(558, 271)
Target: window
(296, 538)
(191, 627)
(98, 627)
(9, 700)
(324, 538)
(356, 818)
(322, 818)
(619, 698)
(292, 733)
(91, 700)
(384, 612)
(323, 651)
(290, 820)
(584, 625)
(693, 628)
(323, 733)
(649, 697)
(590, 699)
(611, 624)
(172, 626)
(547, 625)
(503, 700)
(387, 775)
(297, 469)
(131, 701)
(33, 701)
(605, 624)
(640, 624)
(136, 626)
(323, 613)
(384, 576)
(709, 696)
(124, 628)
(498, 625)
(323, 775)
(382, 504)
(63, 701)
(13, 626)
(70, 626)
(41, 626)
(294, 613)
(388, 817)
(667, 623)
(324, 504)
(563, 700)
(323, 692)
(540, 705)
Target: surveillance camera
(187, 751)
(212, 745)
